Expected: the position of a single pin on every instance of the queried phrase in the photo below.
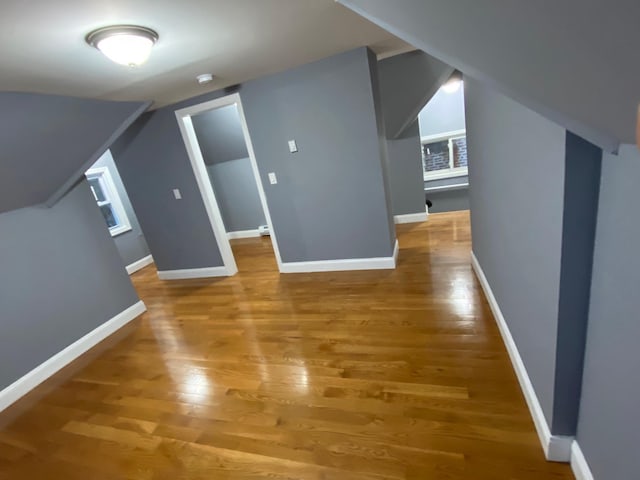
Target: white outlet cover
(293, 147)
(272, 178)
(177, 194)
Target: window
(445, 155)
(106, 195)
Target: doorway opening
(234, 211)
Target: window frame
(112, 198)
(452, 171)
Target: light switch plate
(272, 178)
(177, 194)
(293, 148)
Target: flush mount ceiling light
(124, 44)
(454, 83)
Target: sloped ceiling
(220, 135)
(573, 61)
(47, 142)
(407, 83)
(42, 46)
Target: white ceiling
(42, 46)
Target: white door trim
(202, 177)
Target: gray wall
(407, 82)
(224, 150)
(58, 286)
(581, 191)
(538, 54)
(405, 172)
(131, 245)
(152, 161)
(48, 141)
(608, 431)
(220, 135)
(330, 200)
(534, 199)
(516, 191)
(452, 200)
(237, 194)
(444, 113)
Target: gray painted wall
(220, 135)
(152, 161)
(407, 82)
(330, 200)
(131, 245)
(449, 200)
(237, 194)
(58, 286)
(581, 191)
(224, 150)
(515, 50)
(405, 172)
(608, 431)
(48, 141)
(382, 142)
(516, 191)
(444, 113)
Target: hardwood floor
(374, 375)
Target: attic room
(216, 258)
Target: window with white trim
(106, 195)
(445, 155)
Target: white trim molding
(556, 448)
(377, 263)
(411, 217)
(579, 463)
(194, 273)
(45, 370)
(443, 136)
(243, 234)
(447, 188)
(139, 264)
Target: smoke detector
(204, 78)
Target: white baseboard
(378, 263)
(194, 273)
(556, 448)
(396, 251)
(45, 370)
(579, 463)
(411, 218)
(140, 264)
(243, 234)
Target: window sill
(445, 174)
(447, 188)
(116, 231)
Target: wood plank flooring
(377, 375)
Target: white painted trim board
(47, 369)
(377, 263)
(193, 273)
(556, 448)
(411, 217)
(243, 234)
(579, 463)
(139, 264)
